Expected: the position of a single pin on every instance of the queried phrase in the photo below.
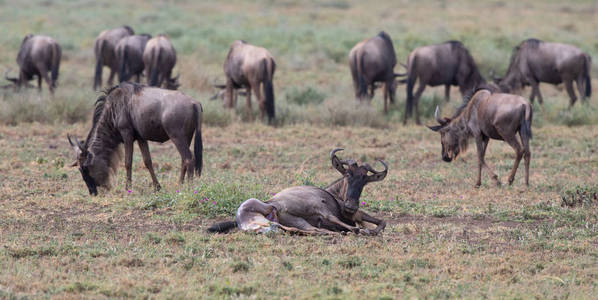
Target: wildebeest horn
(440, 121)
(400, 74)
(77, 143)
(377, 175)
(336, 162)
(13, 79)
(219, 86)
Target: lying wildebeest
(130, 112)
(535, 61)
(103, 48)
(159, 58)
(250, 67)
(312, 210)
(488, 116)
(129, 54)
(445, 64)
(37, 56)
(373, 60)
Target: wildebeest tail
(526, 123)
(123, 76)
(587, 63)
(411, 78)
(363, 87)
(56, 54)
(97, 79)
(198, 144)
(222, 227)
(153, 80)
(269, 89)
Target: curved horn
(378, 175)
(12, 79)
(336, 162)
(219, 86)
(440, 121)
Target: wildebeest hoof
(368, 232)
(158, 188)
(477, 185)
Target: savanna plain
(444, 238)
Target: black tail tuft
(526, 124)
(222, 227)
(153, 80)
(587, 67)
(269, 90)
(123, 76)
(56, 55)
(97, 80)
(198, 144)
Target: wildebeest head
(355, 177)
(86, 166)
(452, 137)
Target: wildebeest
(488, 116)
(103, 48)
(373, 60)
(159, 58)
(129, 54)
(312, 210)
(250, 67)
(444, 64)
(37, 56)
(535, 61)
(130, 112)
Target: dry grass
(445, 239)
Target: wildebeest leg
(128, 159)
(138, 79)
(147, 160)
(386, 95)
(513, 142)
(447, 92)
(418, 94)
(337, 221)
(301, 225)
(532, 96)
(381, 224)
(111, 78)
(187, 162)
(570, 91)
(39, 83)
(260, 100)
(248, 103)
(527, 155)
(482, 145)
(580, 88)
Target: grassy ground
(445, 239)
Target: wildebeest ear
(435, 128)
(336, 162)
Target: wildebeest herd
(130, 112)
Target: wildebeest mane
(468, 96)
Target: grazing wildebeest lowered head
(445, 64)
(129, 54)
(103, 49)
(312, 210)
(373, 60)
(488, 116)
(250, 67)
(159, 58)
(37, 56)
(535, 61)
(130, 112)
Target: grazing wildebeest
(373, 60)
(130, 112)
(486, 116)
(312, 210)
(129, 54)
(103, 48)
(159, 58)
(250, 67)
(535, 61)
(445, 64)
(37, 56)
